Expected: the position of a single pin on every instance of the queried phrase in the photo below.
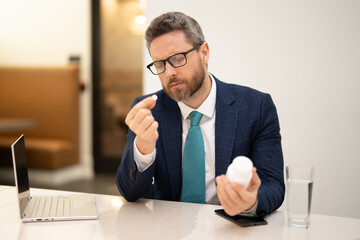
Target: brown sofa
(49, 96)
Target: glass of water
(299, 181)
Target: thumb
(150, 102)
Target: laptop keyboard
(49, 206)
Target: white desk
(154, 219)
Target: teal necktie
(193, 178)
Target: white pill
(155, 97)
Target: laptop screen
(20, 171)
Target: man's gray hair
(171, 21)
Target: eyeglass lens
(176, 61)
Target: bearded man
(162, 161)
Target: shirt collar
(207, 108)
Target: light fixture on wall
(137, 26)
(130, 12)
(136, 16)
(140, 19)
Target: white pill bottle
(240, 171)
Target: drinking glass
(299, 181)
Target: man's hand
(143, 124)
(233, 197)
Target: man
(235, 121)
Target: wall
(46, 33)
(306, 55)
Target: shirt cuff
(143, 161)
(251, 211)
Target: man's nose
(170, 70)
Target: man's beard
(192, 86)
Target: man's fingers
(152, 102)
(233, 197)
(221, 192)
(153, 130)
(227, 196)
(141, 121)
(147, 103)
(255, 181)
(146, 125)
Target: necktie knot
(195, 118)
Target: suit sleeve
(267, 156)
(132, 183)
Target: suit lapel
(172, 141)
(225, 127)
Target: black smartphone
(242, 220)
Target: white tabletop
(154, 219)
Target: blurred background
(306, 54)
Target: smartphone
(242, 220)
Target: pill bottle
(240, 171)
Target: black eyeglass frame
(167, 60)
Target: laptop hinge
(23, 214)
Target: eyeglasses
(176, 61)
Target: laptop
(44, 207)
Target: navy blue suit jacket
(246, 125)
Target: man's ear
(204, 50)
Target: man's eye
(177, 58)
(158, 64)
